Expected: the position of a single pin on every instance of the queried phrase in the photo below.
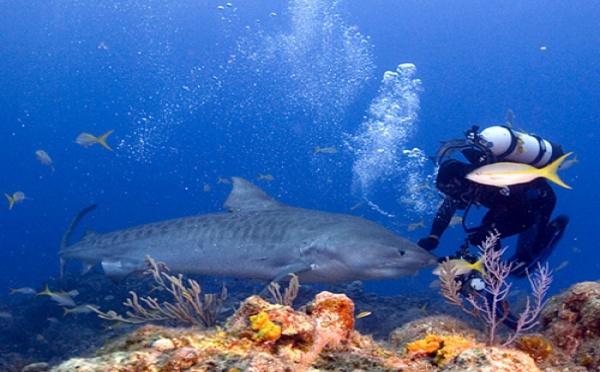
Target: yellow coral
(443, 348)
(266, 329)
(427, 345)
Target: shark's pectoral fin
(86, 269)
(295, 268)
(117, 270)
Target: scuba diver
(523, 209)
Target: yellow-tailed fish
(186, 295)
(510, 118)
(568, 163)
(113, 326)
(363, 314)
(80, 309)
(24, 290)
(5, 315)
(561, 266)
(415, 225)
(44, 158)
(86, 139)
(507, 174)
(223, 180)
(462, 266)
(325, 150)
(62, 298)
(357, 205)
(17, 197)
(266, 177)
(435, 284)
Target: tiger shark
(258, 237)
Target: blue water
(199, 90)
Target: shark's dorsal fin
(246, 197)
(88, 235)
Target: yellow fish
(44, 158)
(462, 266)
(568, 163)
(223, 180)
(17, 197)
(86, 139)
(186, 295)
(266, 177)
(355, 206)
(415, 225)
(561, 266)
(80, 309)
(62, 298)
(325, 150)
(24, 290)
(363, 314)
(506, 174)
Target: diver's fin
(552, 235)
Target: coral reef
(320, 336)
(571, 321)
(491, 359)
(536, 346)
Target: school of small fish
(84, 140)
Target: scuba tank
(500, 143)
(509, 145)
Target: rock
(571, 321)
(491, 359)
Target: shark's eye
(402, 253)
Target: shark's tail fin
(66, 239)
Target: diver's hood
(473, 146)
(451, 177)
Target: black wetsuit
(519, 209)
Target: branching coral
(290, 293)
(491, 305)
(188, 305)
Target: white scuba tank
(510, 145)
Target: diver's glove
(429, 243)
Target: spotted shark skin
(258, 238)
